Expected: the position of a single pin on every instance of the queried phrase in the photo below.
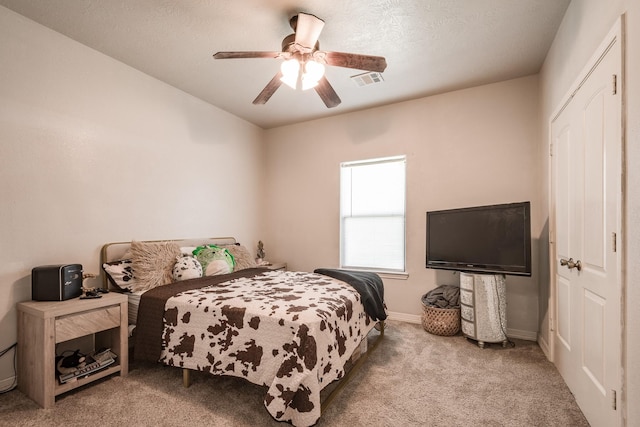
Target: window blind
(372, 214)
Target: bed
(292, 332)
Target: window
(372, 214)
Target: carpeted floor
(411, 379)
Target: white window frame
(345, 214)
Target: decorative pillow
(120, 273)
(241, 256)
(186, 267)
(153, 263)
(207, 254)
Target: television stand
(483, 308)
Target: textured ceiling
(431, 46)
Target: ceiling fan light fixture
(314, 70)
(290, 70)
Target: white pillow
(187, 250)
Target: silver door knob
(571, 264)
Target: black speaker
(56, 282)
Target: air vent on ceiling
(367, 78)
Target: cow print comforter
(292, 332)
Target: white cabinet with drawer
(483, 307)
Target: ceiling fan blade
(247, 54)
(354, 60)
(308, 28)
(269, 89)
(327, 94)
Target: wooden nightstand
(276, 266)
(44, 324)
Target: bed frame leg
(186, 377)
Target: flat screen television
(484, 239)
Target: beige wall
(470, 147)
(93, 151)
(585, 25)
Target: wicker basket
(440, 321)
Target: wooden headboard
(117, 250)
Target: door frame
(615, 34)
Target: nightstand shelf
(42, 325)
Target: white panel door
(586, 179)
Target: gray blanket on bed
(369, 286)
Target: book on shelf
(93, 363)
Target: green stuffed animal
(214, 259)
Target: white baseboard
(414, 318)
(403, 317)
(523, 335)
(7, 382)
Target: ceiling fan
(304, 62)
